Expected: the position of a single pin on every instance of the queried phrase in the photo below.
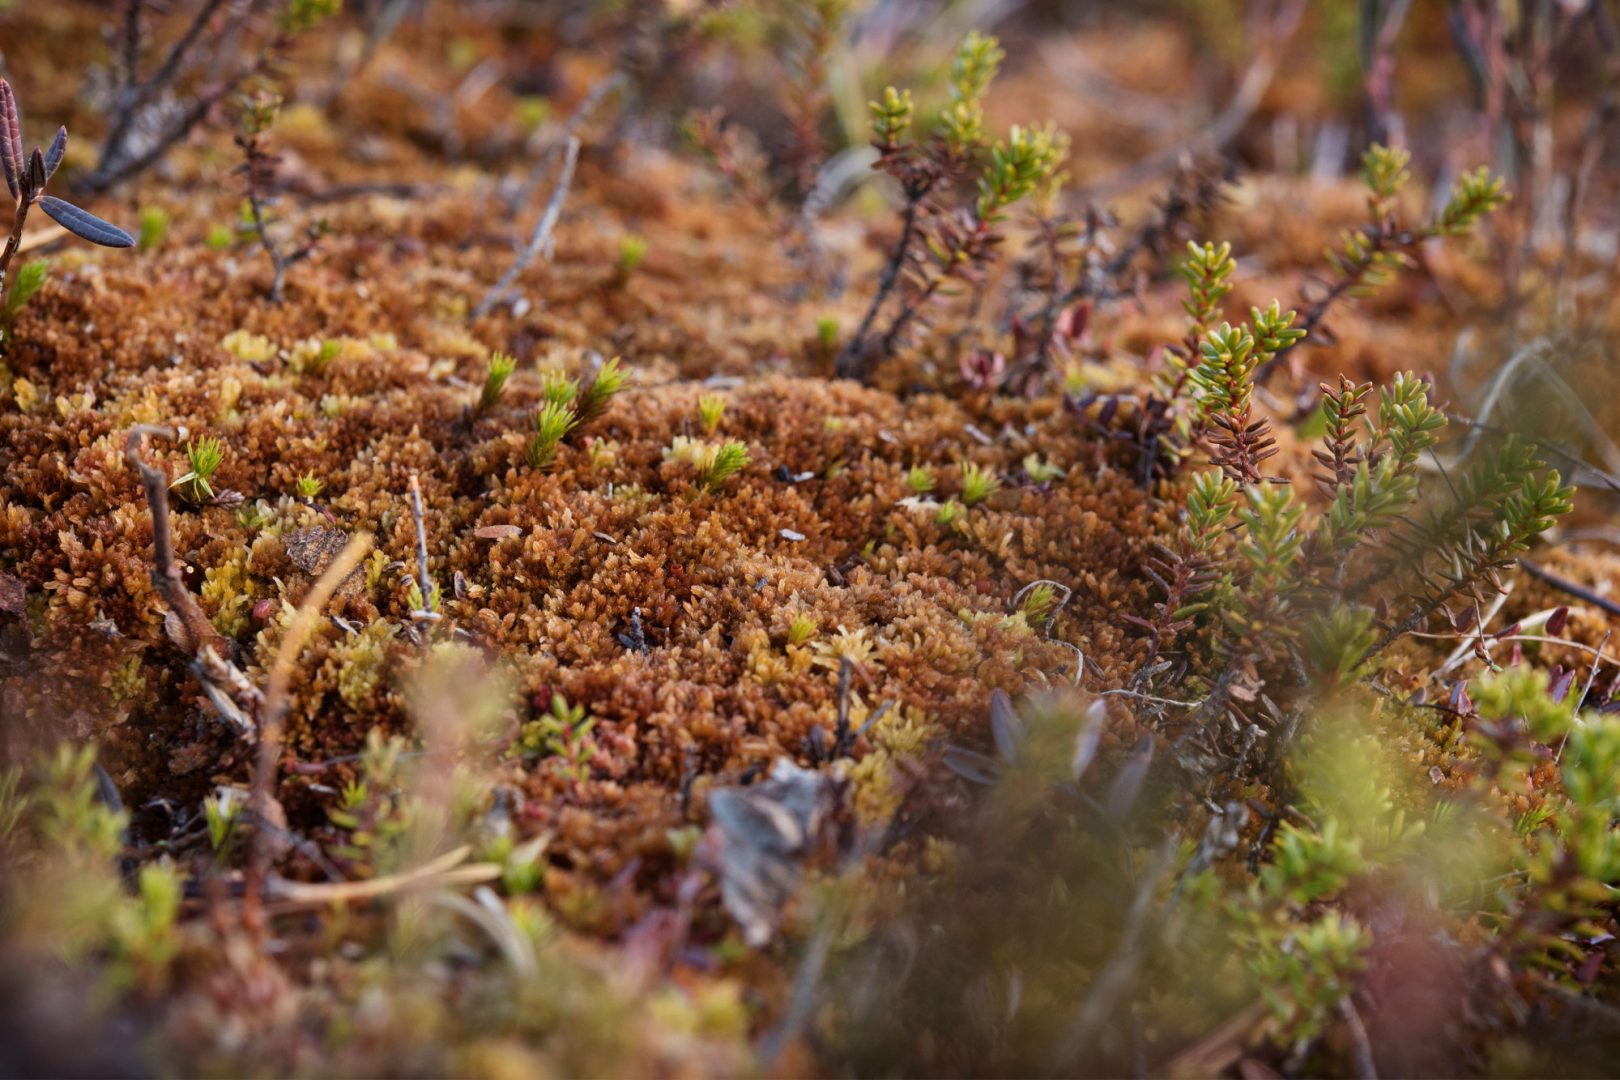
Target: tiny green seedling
(919, 479)
(552, 421)
(313, 356)
(610, 379)
(1041, 471)
(978, 484)
(558, 388)
(802, 628)
(1038, 603)
(827, 334)
(632, 250)
(501, 367)
(309, 486)
(711, 408)
(203, 456)
(725, 462)
(30, 279)
(562, 734)
(154, 228)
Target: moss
(361, 662)
(693, 625)
(227, 594)
(248, 347)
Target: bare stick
(275, 701)
(278, 279)
(1360, 1044)
(437, 873)
(541, 238)
(576, 120)
(117, 163)
(1226, 126)
(194, 630)
(1563, 584)
(424, 584)
(852, 359)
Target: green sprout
(563, 735)
(313, 356)
(1383, 170)
(219, 238)
(558, 387)
(1042, 471)
(978, 484)
(711, 407)
(891, 118)
(552, 421)
(413, 597)
(920, 479)
(950, 512)
(301, 15)
(961, 123)
(827, 333)
(533, 112)
(722, 463)
(203, 458)
(501, 367)
(1018, 165)
(802, 628)
(593, 400)
(30, 279)
(154, 228)
(222, 810)
(1208, 269)
(309, 486)
(1038, 603)
(632, 250)
(1474, 195)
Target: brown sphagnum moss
(1052, 694)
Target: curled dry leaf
(758, 838)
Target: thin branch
(541, 238)
(1360, 1044)
(1213, 136)
(1575, 589)
(278, 278)
(852, 359)
(434, 874)
(194, 631)
(576, 120)
(117, 163)
(424, 583)
(276, 700)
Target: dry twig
(540, 240)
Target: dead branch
(190, 630)
(424, 583)
(435, 874)
(273, 715)
(540, 240)
(1575, 589)
(140, 132)
(1215, 135)
(521, 195)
